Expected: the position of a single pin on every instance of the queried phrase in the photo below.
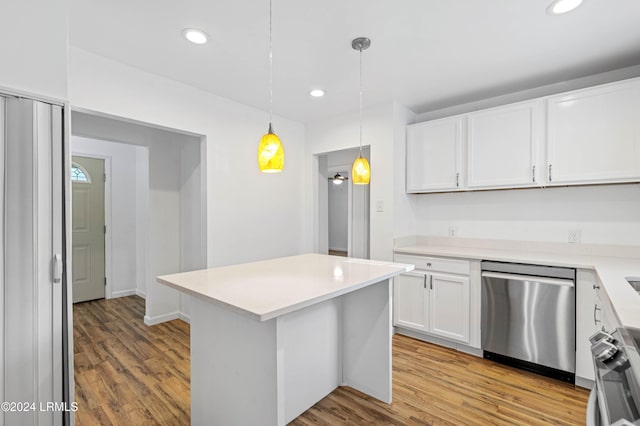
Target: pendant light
(361, 172)
(270, 150)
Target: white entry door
(87, 221)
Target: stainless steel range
(615, 398)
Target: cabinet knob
(596, 287)
(429, 264)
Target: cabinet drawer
(435, 264)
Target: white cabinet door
(502, 146)
(594, 135)
(409, 301)
(434, 156)
(449, 306)
(588, 321)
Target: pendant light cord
(270, 70)
(360, 101)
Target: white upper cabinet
(594, 135)
(503, 145)
(434, 155)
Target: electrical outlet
(379, 206)
(574, 236)
(453, 231)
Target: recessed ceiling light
(317, 93)
(195, 36)
(558, 7)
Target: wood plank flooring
(130, 374)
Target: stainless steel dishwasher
(528, 317)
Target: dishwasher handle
(541, 280)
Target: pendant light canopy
(270, 150)
(361, 172)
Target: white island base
(270, 339)
(247, 372)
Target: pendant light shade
(270, 153)
(361, 172)
(270, 150)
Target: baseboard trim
(123, 293)
(584, 383)
(161, 318)
(141, 293)
(186, 318)
(439, 341)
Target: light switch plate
(379, 206)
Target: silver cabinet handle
(550, 166)
(457, 180)
(595, 320)
(431, 282)
(425, 281)
(533, 174)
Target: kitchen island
(270, 339)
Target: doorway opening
(154, 209)
(343, 208)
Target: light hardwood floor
(129, 374)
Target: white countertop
(612, 270)
(267, 289)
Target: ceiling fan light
(361, 172)
(338, 179)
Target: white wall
(250, 215)
(33, 43)
(343, 133)
(405, 221)
(124, 190)
(604, 214)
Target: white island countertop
(267, 289)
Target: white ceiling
(425, 54)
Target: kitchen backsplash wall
(608, 214)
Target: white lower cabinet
(410, 299)
(588, 321)
(449, 306)
(593, 313)
(435, 298)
